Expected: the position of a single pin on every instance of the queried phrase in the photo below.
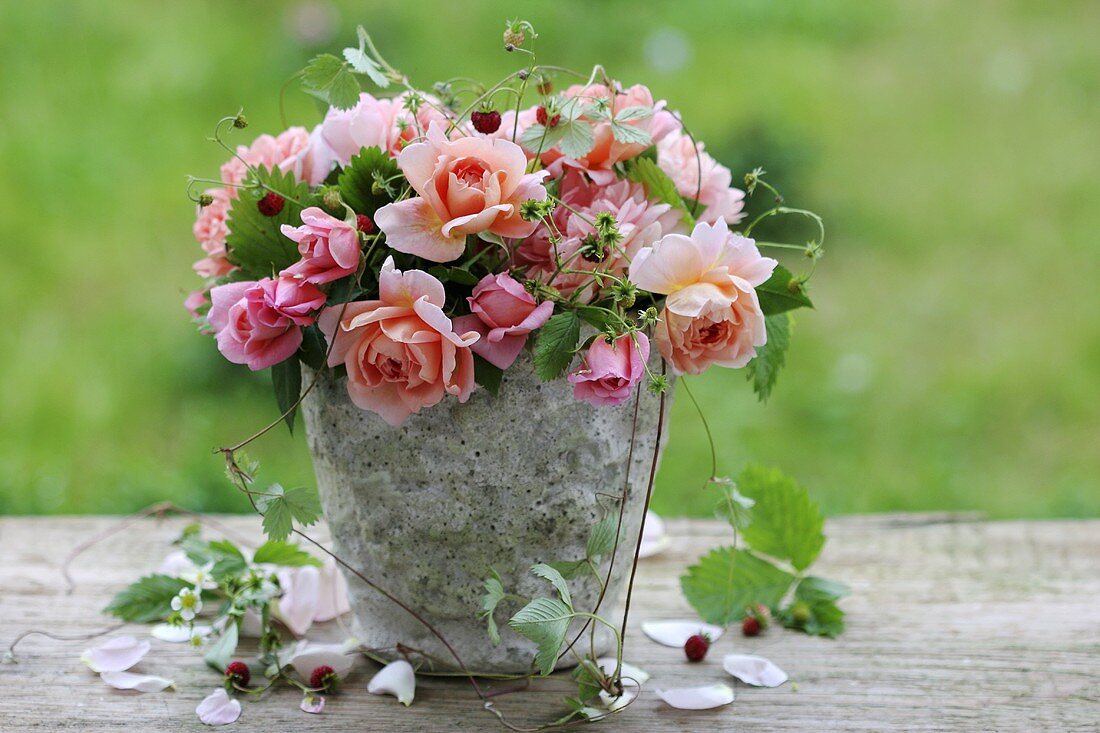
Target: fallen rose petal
(397, 679)
(753, 670)
(298, 603)
(675, 633)
(134, 681)
(178, 634)
(218, 708)
(115, 655)
(631, 675)
(313, 704)
(654, 539)
(630, 692)
(697, 698)
(309, 656)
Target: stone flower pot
(426, 509)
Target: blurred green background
(953, 361)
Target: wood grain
(954, 624)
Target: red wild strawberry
(271, 204)
(238, 673)
(486, 121)
(696, 647)
(543, 118)
(750, 626)
(323, 678)
(364, 224)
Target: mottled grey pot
(426, 509)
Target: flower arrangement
(419, 243)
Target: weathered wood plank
(954, 624)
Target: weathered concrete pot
(426, 509)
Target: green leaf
(629, 134)
(544, 621)
(548, 573)
(281, 508)
(146, 600)
(494, 594)
(487, 375)
(588, 677)
(363, 63)
(538, 137)
(733, 506)
(555, 344)
(601, 540)
(221, 652)
(364, 182)
(313, 348)
(781, 293)
(727, 581)
(228, 559)
(286, 377)
(577, 138)
(786, 523)
(332, 80)
(763, 370)
(819, 596)
(285, 554)
(572, 569)
(658, 185)
(814, 588)
(255, 242)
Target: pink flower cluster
(495, 233)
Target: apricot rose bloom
(465, 186)
(711, 314)
(401, 351)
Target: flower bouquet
(480, 296)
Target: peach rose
(381, 123)
(686, 165)
(465, 186)
(401, 351)
(711, 314)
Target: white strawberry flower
(188, 603)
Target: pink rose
(711, 314)
(504, 314)
(599, 162)
(195, 303)
(210, 230)
(686, 165)
(401, 352)
(290, 152)
(381, 123)
(329, 247)
(609, 371)
(257, 323)
(465, 186)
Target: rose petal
(178, 634)
(313, 704)
(675, 633)
(332, 595)
(397, 679)
(309, 656)
(115, 655)
(631, 675)
(697, 698)
(753, 670)
(134, 681)
(620, 702)
(654, 539)
(218, 708)
(298, 603)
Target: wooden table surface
(954, 624)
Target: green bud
(624, 293)
(658, 384)
(240, 122)
(649, 317)
(331, 198)
(800, 613)
(205, 200)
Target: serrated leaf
(588, 677)
(146, 600)
(539, 138)
(727, 581)
(733, 506)
(776, 294)
(572, 569)
(820, 596)
(363, 180)
(221, 652)
(544, 621)
(284, 553)
(548, 573)
(363, 63)
(282, 507)
(786, 523)
(577, 138)
(331, 79)
(228, 559)
(629, 134)
(555, 344)
(658, 186)
(764, 368)
(255, 243)
(494, 594)
(286, 378)
(813, 587)
(488, 375)
(601, 540)
(634, 112)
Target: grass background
(953, 361)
